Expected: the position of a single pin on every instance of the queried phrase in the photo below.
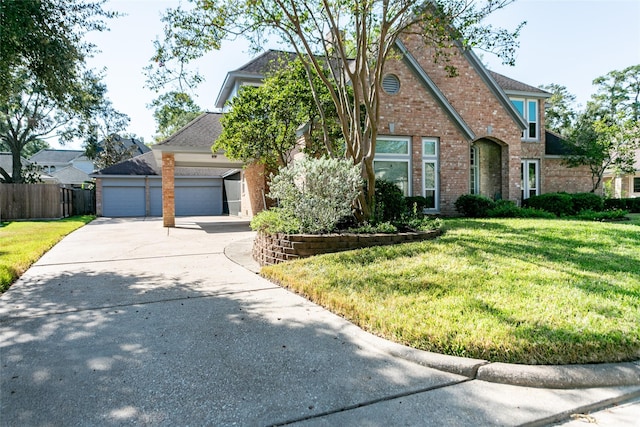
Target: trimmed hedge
(629, 204)
(474, 205)
(565, 204)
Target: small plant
(424, 223)
(417, 203)
(367, 228)
(474, 205)
(275, 220)
(389, 202)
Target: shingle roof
(508, 84)
(201, 132)
(71, 175)
(268, 61)
(145, 164)
(46, 156)
(554, 146)
(6, 162)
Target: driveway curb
(538, 376)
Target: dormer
(528, 101)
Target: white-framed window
(474, 173)
(530, 178)
(431, 172)
(528, 108)
(392, 161)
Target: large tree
(560, 112)
(46, 38)
(346, 43)
(30, 115)
(607, 134)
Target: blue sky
(568, 42)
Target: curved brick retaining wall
(269, 249)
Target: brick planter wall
(269, 249)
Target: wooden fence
(41, 201)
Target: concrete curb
(538, 376)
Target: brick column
(98, 196)
(168, 190)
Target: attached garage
(122, 193)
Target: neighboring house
(441, 137)
(626, 185)
(6, 162)
(68, 167)
(134, 187)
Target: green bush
(366, 228)
(317, 192)
(587, 201)
(508, 209)
(474, 205)
(629, 204)
(424, 223)
(612, 215)
(275, 220)
(389, 202)
(560, 204)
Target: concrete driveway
(125, 322)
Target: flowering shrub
(318, 193)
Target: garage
(128, 197)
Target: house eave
(230, 82)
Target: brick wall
(269, 249)
(98, 196)
(416, 114)
(557, 177)
(168, 190)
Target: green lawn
(23, 242)
(509, 290)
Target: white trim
(432, 159)
(396, 157)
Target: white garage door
(123, 201)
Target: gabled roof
(253, 71)
(201, 132)
(146, 165)
(49, 156)
(512, 86)
(140, 148)
(71, 175)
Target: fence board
(30, 201)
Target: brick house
(626, 185)
(441, 136)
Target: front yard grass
(23, 242)
(505, 290)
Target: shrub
(587, 201)
(508, 209)
(275, 220)
(389, 202)
(630, 204)
(424, 223)
(474, 205)
(560, 204)
(318, 193)
(612, 215)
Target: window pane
(533, 111)
(430, 195)
(396, 172)
(429, 148)
(429, 176)
(519, 106)
(532, 177)
(533, 130)
(636, 185)
(392, 146)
